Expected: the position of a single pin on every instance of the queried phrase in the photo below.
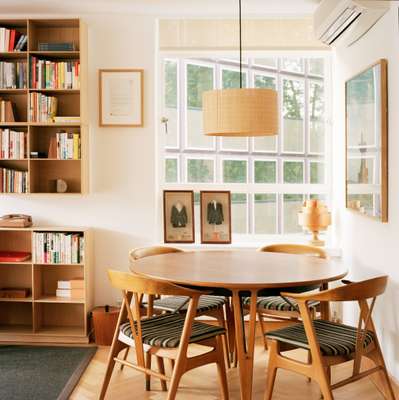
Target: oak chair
(331, 343)
(280, 311)
(174, 336)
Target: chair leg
(124, 358)
(262, 328)
(178, 371)
(309, 379)
(325, 388)
(148, 358)
(222, 322)
(378, 359)
(221, 369)
(230, 329)
(271, 370)
(161, 369)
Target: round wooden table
(241, 271)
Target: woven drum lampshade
(240, 112)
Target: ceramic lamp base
(315, 240)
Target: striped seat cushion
(334, 339)
(276, 303)
(165, 331)
(206, 303)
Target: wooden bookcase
(43, 317)
(43, 172)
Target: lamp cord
(239, 12)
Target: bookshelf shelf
(42, 172)
(43, 316)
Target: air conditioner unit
(344, 22)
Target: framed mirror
(367, 142)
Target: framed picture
(178, 214)
(121, 97)
(215, 217)
(367, 142)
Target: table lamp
(314, 217)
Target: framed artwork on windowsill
(215, 217)
(121, 97)
(178, 214)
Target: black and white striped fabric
(165, 331)
(334, 339)
(276, 303)
(172, 303)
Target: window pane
(265, 214)
(321, 197)
(265, 171)
(170, 100)
(171, 170)
(234, 171)
(292, 204)
(316, 66)
(265, 82)
(199, 79)
(316, 117)
(293, 110)
(200, 171)
(293, 172)
(317, 172)
(231, 80)
(265, 144)
(292, 64)
(239, 212)
(266, 62)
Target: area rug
(41, 373)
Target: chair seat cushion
(276, 303)
(165, 331)
(334, 339)
(206, 303)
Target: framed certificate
(121, 97)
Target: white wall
(120, 206)
(365, 242)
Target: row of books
(56, 46)
(13, 144)
(42, 108)
(68, 145)
(46, 74)
(13, 181)
(59, 248)
(12, 40)
(6, 111)
(73, 289)
(13, 75)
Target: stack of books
(6, 111)
(12, 40)
(66, 119)
(73, 289)
(13, 181)
(59, 248)
(12, 75)
(68, 145)
(46, 74)
(13, 144)
(56, 46)
(42, 108)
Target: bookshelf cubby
(42, 316)
(42, 171)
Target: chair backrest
(142, 252)
(295, 249)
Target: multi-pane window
(269, 177)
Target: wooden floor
(201, 384)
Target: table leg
(325, 305)
(245, 348)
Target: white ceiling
(175, 8)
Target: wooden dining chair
(331, 343)
(209, 305)
(173, 336)
(280, 311)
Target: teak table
(239, 273)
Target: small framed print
(215, 217)
(121, 97)
(178, 214)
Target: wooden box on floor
(42, 316)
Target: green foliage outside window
(170, 84)
(199, 79)
(231, 79)
(293, 172)
(234, 171)
(265, 172)
(200, 171)
(171, 170)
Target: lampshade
(240, 112)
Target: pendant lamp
(240, 112)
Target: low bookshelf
(47, 93)
(42, 317)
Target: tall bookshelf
(43, 172)
(42, 316)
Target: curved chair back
(142, 252)
(295, 249)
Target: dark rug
(41, 373)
